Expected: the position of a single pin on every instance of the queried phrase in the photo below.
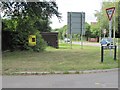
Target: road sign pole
(81, 30)
(114, 28)
(81, 41)
(110, 32)
(71, 40)
(110, 28)
(70, 33)
(110, 12)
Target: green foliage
(39, 12)
(119, 18)
(61, 32)
(8, 24)
(40, 43)
(88, 32)
(94, 31)
(102, 17)
(28, 18)
(24, 29)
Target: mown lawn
(62, 59)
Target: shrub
(40, 43)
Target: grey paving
(93, 80)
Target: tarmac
(92, 80)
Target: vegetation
(119, 19)
(102, 18)
(63, 32)
(62, 59)
(88, 32)
(96, 30)
(28, 18)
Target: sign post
(82, 27)
(110, 12)
(76, 25)
(70, 32)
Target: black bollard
(115, 49)
(102, 53)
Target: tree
(30, 18)
(39, 12)
(102, 18)
(63, 32)
(95, 30)
(119, 19)
(88, 32)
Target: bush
(13, 41)
(18, 38)
(40, 44)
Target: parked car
(106, 41)
(66, 40)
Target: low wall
(93, 39)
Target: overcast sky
(87, 6)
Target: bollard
(102, 53)
(115, 49)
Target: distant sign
(110, 12)
(76, 22)
(104, 31)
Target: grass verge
(62, 59)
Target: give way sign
(110, 12)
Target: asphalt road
(92, 80)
